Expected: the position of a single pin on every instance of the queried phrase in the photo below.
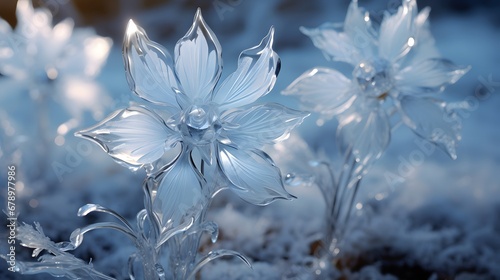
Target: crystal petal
(253, 175)
(198, 60)
(133, 137)
(257, 71)
(261, 124)
(149, 67)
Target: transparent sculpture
(194, 140)
(396, 70)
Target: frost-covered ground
(429, 218)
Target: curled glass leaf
(253, 175)
(134, 136)
(430, 119)
(149, 67)
(431, 75)
(89, 208)
(212, 255)
(258, 68)
(261, 124)
(76, 237)
(166, 235)
(198, 60)
(323, 90)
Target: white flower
(38, 51)
(214, 122)
(397, 61)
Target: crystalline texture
(200, 125)
(373, 77)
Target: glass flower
(184, 106)
(397, 61)
(38, 51)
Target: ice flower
(397, 64)
(220, 125)
(38, 51)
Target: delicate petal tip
(198, 60)
(431, 75)
(252, 174)
(131, 28)
(397, 32)
(257, 72)
(432, 120)
(133, 137)
(148, 67)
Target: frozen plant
(396, 70)
(194, 140)
(56, 63)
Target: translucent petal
(357, 26)
(133, 137)
(396, 31)
(253, 175)
(424, 45)
(257, 71)
(363, 135)
(430, 119)
(149, 67)
(198, 60)
(179, 193)
(31, 22)
(63, 30)
(10, 49)
(428, 76)
(334, 44)
(5, 27)
(261, 124)
(323, 90)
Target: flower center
(373, 77)
(200, 125)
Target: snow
(440, 219)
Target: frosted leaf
(431, 120)
(323, 90)
(55, 261)
(198, 60)
(253, 175)
(397, 32)
(431, 75)
(179, 192)
(258, 68)
(149, 67)
(261, 124)
(133, 136)
(363, 135)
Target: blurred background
(431, 197)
